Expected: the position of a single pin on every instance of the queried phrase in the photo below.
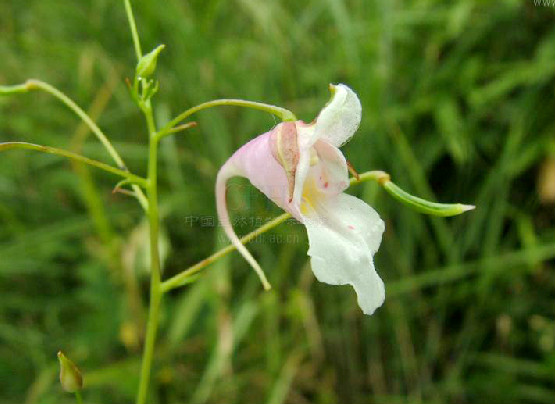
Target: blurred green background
(458, 106)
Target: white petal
(344, 233)
(339, 120)
(365, 220)
(332, 175)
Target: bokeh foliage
(458, 105)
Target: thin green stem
(132, 178)
(155, 291)
(282, 113)
(378, 176)
(15, 89)
(182, 278)
(133, 26)
(78, 397)
(176, 129)
(149, 116)
(154, 223)
(33, 84)
(153, 220)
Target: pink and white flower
(300, 168)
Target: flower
(300, 168)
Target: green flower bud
(70, 375)
(147, 64)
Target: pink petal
(256, 162)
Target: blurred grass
(458, 101)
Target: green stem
(282, 113)
(381, 177)
(133, 26)
(15, 89)
(155, 281)
(33, 84)
(78, 397)
(153, 220)
(378, 176)
(176, 129)
(182, 278)
(134, 179)
(155, 291)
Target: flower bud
(70, 375)
(147, 63)
(546, 181)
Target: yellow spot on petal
(313, 157)
(310, 196)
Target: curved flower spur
(300, 168)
